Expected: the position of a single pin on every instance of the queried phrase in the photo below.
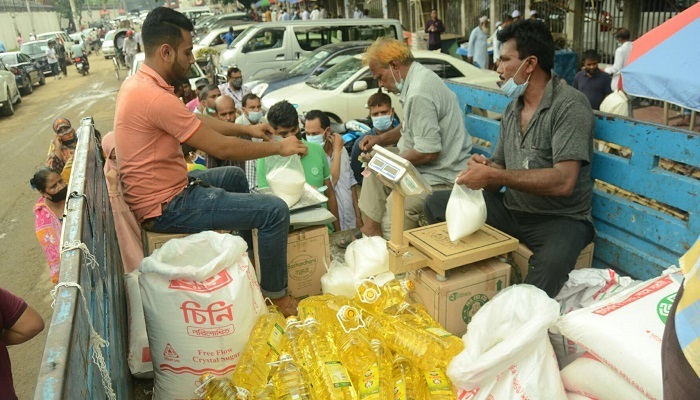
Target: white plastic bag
(367, 257)
(139, 359)
(616, 103)
(584, 287)
(624, 332)
(201, 300)
(466, 212)
(286, 178)
(507, 353)
(339, 280)
(589, 377)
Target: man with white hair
(478, 47)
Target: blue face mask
(318, 139)
(382, 122)
(400, 83)
(254, 116)
(512, 89)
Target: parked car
(193, 75)
(67, 42)
(108, 45)
(306, 67)
(214, 39)
(226, 20)
(344, 88)
(9, 93)
(37, 51)
(26, 70)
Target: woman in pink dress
(48, 213)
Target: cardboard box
(454, 302)
(154, 240)
(522, 255)
(307, 250)
(444, 254)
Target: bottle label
(400, 390)
(275, 339)
(369, 383)
(438, 384)
(439, 332)
(339, 375)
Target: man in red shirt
(150, 124)
(18, 323)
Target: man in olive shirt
(543, 158)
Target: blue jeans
(222, 202)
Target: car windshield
(241, 36)
(8, 59)
(110, 35)
(33, 48)
(206, 40)
(46, 36)
(336, 75)
(308, 63)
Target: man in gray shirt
(432, 135)
(543, 158)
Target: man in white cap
(516, 16)
(478, 47)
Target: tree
(64, 10)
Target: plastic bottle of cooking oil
(329, 377)
(416, 315)
(426, 350)
(408, 382)
(375, 299)
(213, 388)
(267, 392)
(290, 342)
(377, 382)
(353, 345)
(289, 381)
(263, 347)
(439, 386)
(310, 307)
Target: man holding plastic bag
(543, 158)
(150, 124)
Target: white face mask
(255, 116)
(399, 84)
(318, 139)
(512, 89)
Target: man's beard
(175, 69)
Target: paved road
(25, 138)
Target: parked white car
(195, 73)
(344, 88)
(214, 39)
(9, 93)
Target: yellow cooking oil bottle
(329, 377)
(267, 392)
(408, 381)
(290, 342)
(375, 298)
(377, 382)
(426, 350)
(289, 381)
(355, 351)
(263, 347)
(416, 315)
(310, 307)
(213, 388)
(439, 386)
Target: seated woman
(62, 148)
(48, 213)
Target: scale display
(397, 173)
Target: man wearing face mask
(432, 135)
(252, 111)
(207, 97)
(234, 87)
(543, 158)
(62, 147)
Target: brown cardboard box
(454, 302)
(154, 240)
(443, 254)
(307, 249)
(522, 255)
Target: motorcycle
(81, 65)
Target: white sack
(507, 352)
(466, 212)
(139, 359)
(201, 299)
(367, 257)
(616, 103)
(339, 280)
(589, 377)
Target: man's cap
(201, 82)
(515, 14)
(59, 123)
(533, 12)
(483, 19)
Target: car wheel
(42, 80)
(28, 87)
(7, 109)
